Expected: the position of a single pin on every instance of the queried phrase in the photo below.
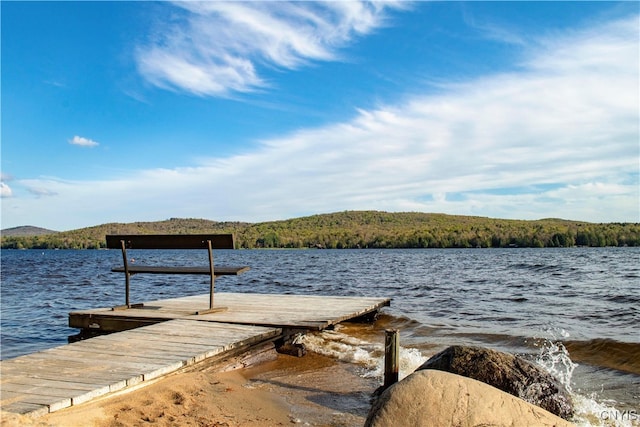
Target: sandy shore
(312, 390)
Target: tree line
(360, 229)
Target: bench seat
(153, 269)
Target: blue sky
(142, 111)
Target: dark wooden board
(154, 269)
(170, 241)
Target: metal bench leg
(211, 285)
(213, 277)
(127, 275)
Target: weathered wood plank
(104, 364)
(94, 363)
(43, 390)
(53, 403)
(170, 241)
(115, 379)
(52, 383)
(33, 409)
(289, 311)
(155, 269)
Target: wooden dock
(308, 312)
(161, 338)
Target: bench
(175, 241)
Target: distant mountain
(26, 230)
(357, 229)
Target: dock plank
(132, 357)
(53, 403)
(21, 407)
(315, 312)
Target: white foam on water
(554, 358)
(368, 355)
(588, 411)
(343, 347)
(410, 360)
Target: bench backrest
(170, 241)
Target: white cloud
(5, 190)
(41, 191)
(218, 46)
(559, 139)
(83, 142)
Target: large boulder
(432, 398)
(509, 373)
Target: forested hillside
(362, 229)
(26, 230)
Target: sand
(312, 390)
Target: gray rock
(509, 373)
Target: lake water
(575, 311)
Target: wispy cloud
(557, 139)
(218, 47)
(41, 191)
(56, 83)
(83, 142)
(492, 31)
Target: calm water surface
(574, 310)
